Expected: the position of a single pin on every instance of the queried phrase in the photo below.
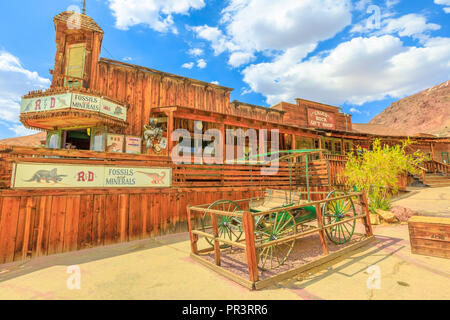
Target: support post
(216, 235)
(323, 240)
(170, 127)
(192, 237)
(363, 200)
(249, 230)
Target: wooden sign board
(133, 145)
(74, 101)
(114, 143)
(84, 102)
(49, 103)
(321, 119)
(50, 176)
(114, 110)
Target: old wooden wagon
(268, 226)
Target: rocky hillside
(27, 141)
(424, 112)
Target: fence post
(192, 237)
(249, 230)
(365, 208)
(323, 240)
(216, 235)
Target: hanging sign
(74, 101)
(49, 103)
(321, 119)
(83, 102)
(114, 110)
(34, 175)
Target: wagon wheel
(272, 227)
(229, 227)
(336, 211)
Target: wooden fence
(40, 222)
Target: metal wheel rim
(272, 227)
(336, 211)
(229, 227)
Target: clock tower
(78, 42)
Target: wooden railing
(320, 172)
(434, 166)
(68, 82)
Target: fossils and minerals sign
(321, 119)
(73, 101)
(37, 175)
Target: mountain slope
(425, 112)
(27, 141)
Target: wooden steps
(437, 181)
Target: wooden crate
(430, 236)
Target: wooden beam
(249, 230)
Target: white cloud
(201, 63)
(127, 59)
(15, 81)
(442, 2)
(250, 26)
(239, 58)
(21, 131)
(188, 65)
(354, 110)
(219, 42)
(156, 14)
(215, 82)
(409, 25)
(362, 5)
(356, 72)
(195, 52)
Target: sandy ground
(161, 269)
(429, 201)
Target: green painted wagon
(277, 220)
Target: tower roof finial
(84, 6)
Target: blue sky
(360, 55)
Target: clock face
(163, 143)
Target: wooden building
(106, 174)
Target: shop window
(98, 139)
(54, 139)
(445, 157)
(77, 139)
(317, 144)
(348, 147)
(301, 144)
(337, 147)
(329, 145)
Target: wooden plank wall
(143, 90)
(38, 223)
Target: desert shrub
(377, 171)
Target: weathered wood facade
(36, 222)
